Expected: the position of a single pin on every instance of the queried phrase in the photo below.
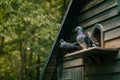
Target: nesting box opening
(97, 36)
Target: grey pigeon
(69, 47)
(83, 39)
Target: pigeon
(69, 47)
(83, 39)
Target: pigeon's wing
(88, 41)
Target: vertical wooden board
(115, 43)
(73, 74)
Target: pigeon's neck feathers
(80, 32)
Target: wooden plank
(73, 74)
(115, 43)
(98, 18)
(115, 33)
(98, 9)
(89, 52)
(115, 76)
(73, 63)
(105, 68)
(111, 23)
(91, 4)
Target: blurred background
(28, 29)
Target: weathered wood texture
(105, 13)
(91, 4)
(92, 64)
(73, 63)
(108, 69)
(90, 51)
(114, 33)
(73, 74)
(96, 63)
(112, 43)
(100, 12)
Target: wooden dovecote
(101, 20)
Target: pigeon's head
(78, 28)
(61, 40)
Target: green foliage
(27, 26)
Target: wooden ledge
(91, 51)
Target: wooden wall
(105, 13)
(94, 65)
(72, 70)
(107, 69)
(102, 14)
